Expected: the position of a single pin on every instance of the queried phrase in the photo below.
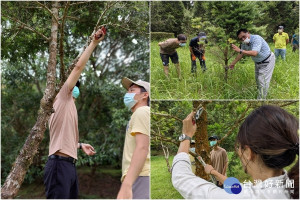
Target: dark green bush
(158, 36)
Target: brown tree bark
(226, 63)
(16, 176)
(201, 140)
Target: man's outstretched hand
(99, 35)
(235, 48)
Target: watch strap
(185, 137)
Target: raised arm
(80, 65)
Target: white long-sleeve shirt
(192, 187)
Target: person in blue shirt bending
(264, 59)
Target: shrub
(158, 36)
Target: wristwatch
(183, 137)
(241, 51)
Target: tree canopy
(261, 18)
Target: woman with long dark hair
(267, 142)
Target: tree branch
(107, 7)
(44, 6)
(163, 138)
(166, 152)
(78, 3)
(236, 123)
(74, 18)
(289, 103)
(25, 26)
(166, 115)
(220, 60)
(61, 45)
(126, 28)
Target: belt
(264, 60)
(69, 159)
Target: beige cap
(126, 82)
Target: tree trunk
(16, 176)
(226, 73)
(201, 139)
(226, 63)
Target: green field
(161, 185)
(211, 84)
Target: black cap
(201, 34)
(213, 137)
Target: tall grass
(211, 84)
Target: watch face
(181, 137)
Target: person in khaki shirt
(218, 157)
(168, 50)
(136, 153)
(60, 177)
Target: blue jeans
(280, 52)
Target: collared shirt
(258, 44)
(280, 40)
(192, 187)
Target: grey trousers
(263, 75)
(140, 188)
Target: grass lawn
(161, 185)
(211, 84)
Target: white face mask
(246, 41)
(280, 30)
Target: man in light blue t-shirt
(259, 50)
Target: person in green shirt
(281, 39)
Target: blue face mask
(212, 143)
(75, 92)
(129, 100)
(182, 44)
